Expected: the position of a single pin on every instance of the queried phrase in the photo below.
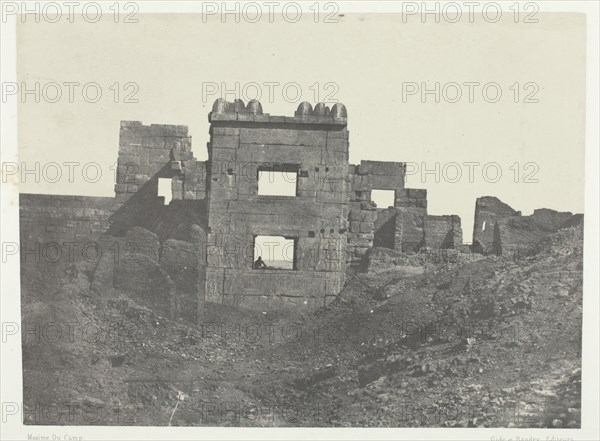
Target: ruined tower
(312, 148)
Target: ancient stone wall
(385, 228)
(147, 153)
(163, 263)
(67, 221)
(520, 234)
(361, 233)
(314, 145)
(405, 226)
(144, 152)
(167, 276)
(410, 221)
(443, 232)
(200, 246)
(499, 229)
(376, 175)
(488, 210)
(370, 225)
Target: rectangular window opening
(383, 198)
(278, 180)
(275, 252)
(165, 190)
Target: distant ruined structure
(499, 229)
(199, 247)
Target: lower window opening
(274, 252)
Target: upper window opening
(278, 180)
(383, 198)
(165, 189)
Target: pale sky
(367, 57)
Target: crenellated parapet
(223, 110)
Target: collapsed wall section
(405, 226)
(145, 153)
(411, 204)
(488, 210)
(163, 276)
(499, 229)
(149, 154)
(443, 232)
(312, 146)
(370, 225)
(162, 230)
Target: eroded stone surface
(177, 251)
(500, 229)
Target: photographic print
(299, 215)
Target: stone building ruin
(197, 243)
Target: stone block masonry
(488, 210)
(157, 151)
(146, 155)
(313, 146)
(54, 219)
(405, 227)
(201, 243)
(199, 247)
(144, 151)
(499, 229)
(443, 232)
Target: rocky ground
(427, 340)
